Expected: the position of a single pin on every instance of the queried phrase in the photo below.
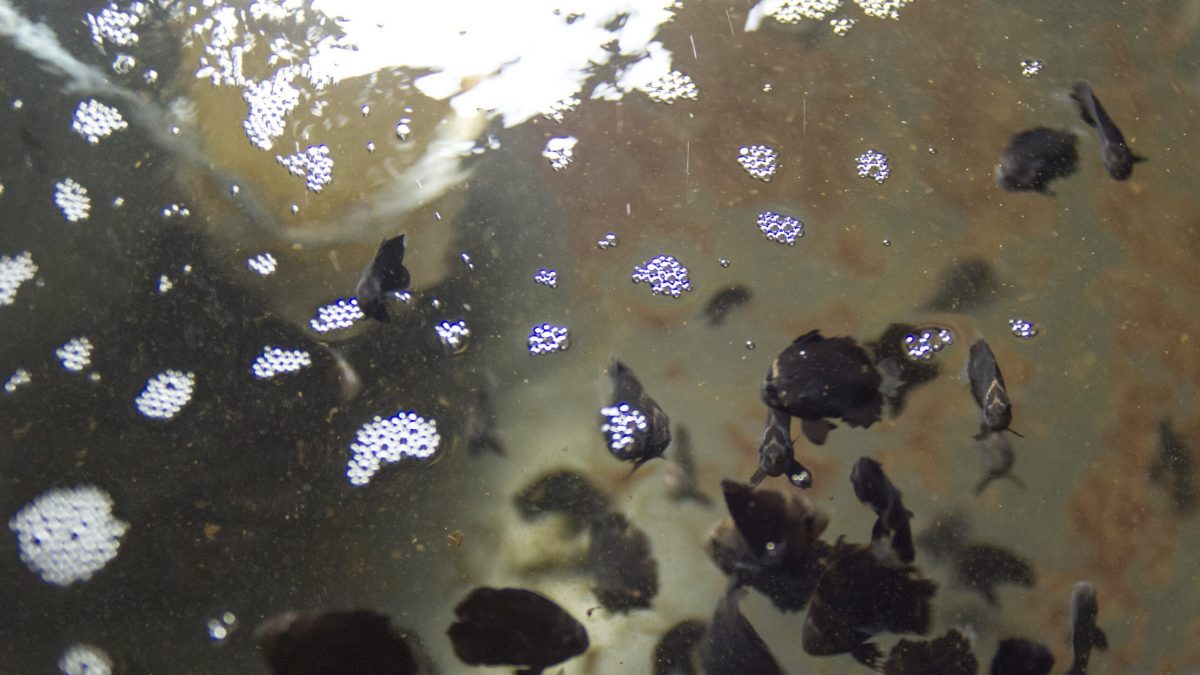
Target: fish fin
(487, 444)
(983, 432)
(816, 431)
(1099, 639)
(983, 483)
(1020, 483)
(1138, 159)
(868, 654)
(758, 477)
(1015, 433)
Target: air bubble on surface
(175, 210)
(607, 241)
(664, 274)
(68, 534)
(780, 228)
(927, 342)
(874, 165)
(405, 435)
(559, 109)
(114, 26)
(18, 379)
(337, 315)
(277, 361)
(76, 354)
(672, 87)
(84, 659)
(1023, 329)
(882, 9)
(73, 199)
(123, 64)
(263, 263)
(760, 161)
(792, 12)
(621, 426)
(841, 26)
(166, 394)
(165, 284)
(221, 627)
(270, 102)
(94, 120)
(453, 335)
(14, 271)
(546, 277)
(314, 165)
(724, 262)
(560, 151)
(1031, 67)
(548, 338)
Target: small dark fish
(565, 492)
(1118, 158)
(897, 368)
(987, 386)
(945, 537)
(982, 567)
(303, 643)
(1034, 158)
(1173, 468)
(1017, 656)
(624, 573)
(998, 458)
(1085, 634)
(731, 646)
(719, 306)
(514, 627)
(949, 654)
(686, 485)
(481, 419)
(873, 488)
(635, 428)
(677, 651)
(965, 285)
(817, 378)
(385, 274)
(777, 455)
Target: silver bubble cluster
(386, 441)
(275, 10)
(607, 241)
(165, 394)
(546, 277)
(263, 263)
(453, 335)
(841, 26)
(276, 361)
(561, 107)
(548, 338)
(664, 274)
(794, 11)
(1031, 67)
(14, 271)
(84, 659)
(94, 120)
(314, 165)
(882, 9)
(873, 164)
(220, 627)
(621, 424)
(760, 161)
(1022, 328)
(19, 378)
(165, 284)
(780, 228)
(337, 315)
(926, 342)
(270, 102)
(123, 64)
(76, 354)
(68, 534)
(672, 87)
(73, 199)
(560, 151)
(114, 26)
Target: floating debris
(607, 241)
(277, 361)
(546, 277)
(453, 335)
(337, 315)
(263, 263)
(1022, 328)
(68, 534)
(94, 121)
(672, 87)
(514, 627)
(75, 354)
(560, 151)
(874, 165)
(14, 271)
(924, 343)
(387, 441)
(760, 161)
(665, 275)
(85, 659)
(19, 378)
(314, 165)
(1031, 67)
(1034, 158)
(480, 423)
(780, 228)
(72, 198)
(166, 394)
(548, 338)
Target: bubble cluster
(841, 26)
(276, 361)
(263, 263)
(84, 659)
(114, 26)
(94, 120)
(672, 87)
(925, 343)
(1022, 328)
(19, 378)
(621, 426)
(73, 199)
(68, 534)
(560, 151)
(664, 274)
(337, 315)
(780, 228)
(607, 241)
(76, 354)
(165, 394)
(760, 161)
(165, 284)
(453, 335)
(548, 338)
(882, 9)
(270, 102)
(123, 64)
(314, 165)
(873, 164)
(559, 109)
(14, 271)
(1031, 67)
(794, 11)
(220, 627)
(546, 277)
(386, 441)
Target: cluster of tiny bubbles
(466, 258)
(873, 164)
(94, 120)
(723, 261)
(1022, 328)
(882, 9)
(546, 277)
(925, 343)
(123, 64)
(841, 26)
(560, 150)
(780, 228)
(672, 87)
(665, 275)
(277, 361)
(84, 659)
(561, 107)
(114, 26)
(165, 284)
(794, 11)
(386, 441)
(270, 102)
(548, 338)
(165, 394)
(622, 423)
(221, 627)
(607, 241)
(760, 161)
(14, 271)
(750, 345)
(337, 315)
(453, 335)
(68, 534)
(150, 76)
(1031, 67)
(73, 199)
(75, 354)
(263, 263)
(175, 211)
(19, 378)
(314, 165)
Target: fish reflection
(987, 386)
(731, 646)
(998, 458)
(684, 482)
(1034, 158)
(949, 654)
(1118, 158)
(386, 274)
(1085, 634)
(635, 428)
(514, 627)
(723, 302)
(564, 492)
(1018, 656)
(872, 487)
(481, 418)
(297, 643)
(964, 286)
(982, 567)
(624, 573)
(1173, 468)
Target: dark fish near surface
(481, 419)
(677, 652)
(565, 492)
(723, 301)
(624, 573)
(731, 646)
(949, 654)
(385, 274)
(982, 567)
(998, 458)
(987, 386)
(514, 627)
(635, 428)
(965, 285)
(686, 486)
(1118, 158)
(1173, 468)
(1034, 158)
(1017, 656)
(1085, 634)
(893, 363)
(777, 455)
(296, 643)
(873, 488)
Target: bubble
(403, 129)
(314, 165)
(887, 242)
(750, 344)
(337, 315)
(14, 271)
(466, 258)
(221, 627)
(665, 275)
(123, 64)
(68, 534)
(453, 335)
(1023, 329)
(794, 11)
(75, 354)
(72, 198)
(621, 426)
(558, 110)
(768, 88)
(386, 441)
(171, 211)
(760, 161)
(780, 228)
(166, 394)
(1031, 67)
(94, 120)
(270, 102)
(724, 262)
(19, 378)
(672, 87)
(114, 26)
(277, 361)
(165, 284)
(150, 76)
(882, 9)
(925, 343)
(370, 146)
(873, 164)
(366, 110)
(546, 277)
(841, 26)
(84, 659)
(560, 151)
(263, 263)
(548, 338)
(607, 241)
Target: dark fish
(998, 458)
(677, 651)
(965, 285)
(1173, 468)
(1017, 656)
(987, 386)
(635, 428)
(1085, 634)
(896, 367)
(982, 567)
(514, 627)
(481, 419)
(565, 492)
(1118, 158)
(949, 654)
(777, 455)
(731, 646)
(1034, 158)
(817, 378)
(624, 573)
(721, 303)
(872, 487)
(686, 485)
(385, 274)
(945, 537)
(302, 643)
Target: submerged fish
(514, 627)
(677, 652)
(777, 455)
(300, 643)
(565, 492)
(685, 485)
(723, 301)
(731, 646)
(1035, 157)
(965, 285)
(873, 488)
(1017, 656)
(949, 654)
(481, 419)
(385, 274)
(945, 537)
(1173, 468)
(982, 567)
(987, 386)
(998, 458)
(624, 573)
(1118, 158)
(635, 428)
(1085, 634)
